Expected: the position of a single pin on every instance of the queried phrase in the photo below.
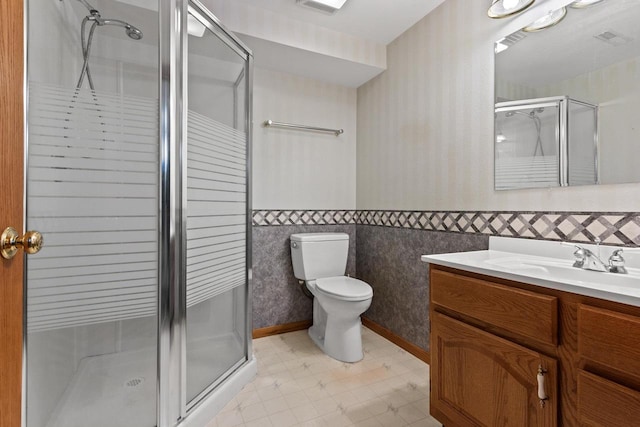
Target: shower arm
(94, 15)
(88, 6)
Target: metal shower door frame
(172, 406)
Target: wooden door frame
(11, 207)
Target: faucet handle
(580, 254)
(616, 262)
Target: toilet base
(338, 332)
(343, 340)
(317, 337)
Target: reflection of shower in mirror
(537, 123)
(545, 142)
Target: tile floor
(298, 385)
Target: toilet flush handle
(294, 245)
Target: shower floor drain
(134, 382)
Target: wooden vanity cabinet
(490, 338)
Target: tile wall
(277, 295)
(385, 252)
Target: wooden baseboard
(378, 329)
(281, 329)
(397, 340)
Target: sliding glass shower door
(137, 306)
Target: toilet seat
(344, 288)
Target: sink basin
(550, 265)
(517, 264)
(632, 279)
(564, 270)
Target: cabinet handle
(542, 393)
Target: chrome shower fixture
(94, 15)
(533, 115)
(98, 21)
(129, 29)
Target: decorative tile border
(615, 228)
(620, 228)
(304, 217)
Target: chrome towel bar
(270, 123)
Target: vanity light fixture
(549, 20)
(505, 8)
(581, 4)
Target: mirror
(567, 100)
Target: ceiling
(380, 21)
(359, 26)
(570, 48)
(347, 48)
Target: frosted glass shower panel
(526, 146)
(216, 212)
(582, 140)
(92, 190)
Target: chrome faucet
(587, 260)
(616, 262)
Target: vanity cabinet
(498, 347)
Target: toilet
(320, 260)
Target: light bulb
(504, 8)
(509, 4)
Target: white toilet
(320, 259)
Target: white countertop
(548, 264)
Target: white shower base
(119, 389)
(111, 390)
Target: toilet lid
(345, 288)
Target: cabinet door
(479, 379)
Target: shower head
(94, 15)
(131, 31)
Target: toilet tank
(316, 255)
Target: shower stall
(545, 142)
(138, 177)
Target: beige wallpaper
(295, 169)
(425, 126)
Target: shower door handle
(10, 240)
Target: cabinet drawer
(609, 339)
(605, 403)
(523, 312)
